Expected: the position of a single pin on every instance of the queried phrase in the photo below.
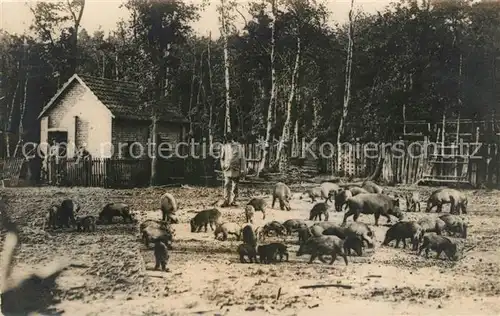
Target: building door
(59, 138)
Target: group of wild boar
(63, 215)
(328, 238)
(316, 239)
(158, 232)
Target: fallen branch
(470, 248)
(317, 286)
(279, 294)
(466, 251)
(78, 265)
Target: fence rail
(468, 162)
(126, 173)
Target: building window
(126, 150)
(165, 147)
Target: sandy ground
(114, 274)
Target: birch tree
(282, 155)
(212, 95)
(347, 89)
(223, 17)
(272, 98)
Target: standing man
(234, 167)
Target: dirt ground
(113, 270)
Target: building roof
(122, 98)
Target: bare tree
(154, 116)
(347, 88)
(272, 99)
(224, 31)
(8, 122)
(282, 157)
(191, 97)
(212, 100)
(75, 8)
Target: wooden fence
(127, 173)
(410, 162)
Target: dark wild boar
(269, 253)
(275, 227)
(248, 235)
(402, 231)
(353, 243)
(293, 225)
(341, 199)
(86, 224)
(354, 236)
(439, 244)
(456, 199)
(204, 219)
(152, 233)
(373, 203)
(65, 214)
(317, 247)
(161, 255)
(308, 232)
(318, 210)
(249, 251)
(111, 210)
(259, 205)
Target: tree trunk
(22, 112)
(154, 159)
(347, 89)
(227, 115)
(380, 164)
(191, 91)
(443, 130)
(282, 155)
(154, 120)
(77, 18)
(9, 121)
(212, 100)
(103, 75)
(296, 135)
(116, 67)
(200, 84)
(265, 151)
(212, 96)
(315, 119)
